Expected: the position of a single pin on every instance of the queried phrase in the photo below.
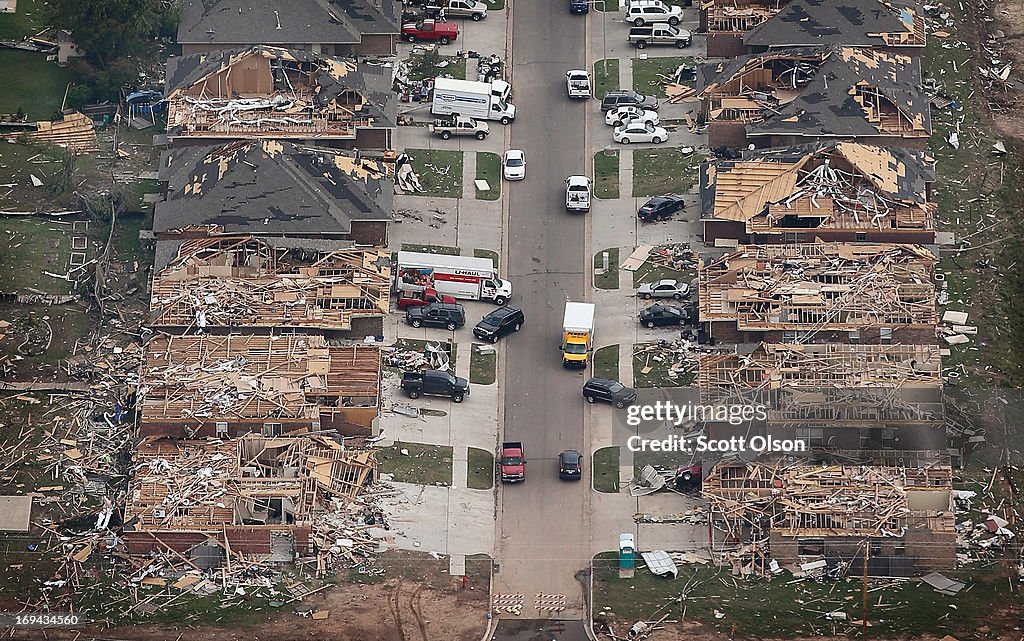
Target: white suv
(640, 12)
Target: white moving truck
(577, 334)
(468, 98)
(457, 276)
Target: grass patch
(425, 65)
(488, 167)
(431, 249)
(495, 5)
(658, 375)
(606, 362)
(606, 77)
(606, 174)
(606, 470)
(37, 86)
(646, 73)
(439, 171)
(759, 608)
(649, 272)
(31, 245)
(424, 464)
(24, 22)
(480, 475)
(663, 171)
(482, 367)
(607, 279)
(488, 253)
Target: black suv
(570, 465)
(435, 383)
(447, 315)
(605, 389)
(624, 97)
(659, 208)
(500, 322)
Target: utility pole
(864, 614)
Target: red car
(430, 30)
(421, 298)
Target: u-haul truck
(458, 276)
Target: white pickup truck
(577, 81)
(459, 126)
(577, 193)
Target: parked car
(659, 34)
(430, 30)
(664, 288)
(422, 297)
(630, 113)
(623, 97)
(500, 322)
(660, 208)
(570, 465)
(513, 165)
(640, 12)
(609, 391)
(435, 383)
(640, 132)
(444, 315)
(659, 315)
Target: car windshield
(616, 387)
(648, 126)
(575, 348)
(512, 460)
(514, 161)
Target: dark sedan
(659, 315)
(570, 465)
(660, 208)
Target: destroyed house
(726, 22)
(820, 293)
(895, 27)
(209, 501)
(900, 504)
(332, 27)
(839, 191)
(269, 92)
(217, 285)
(832, 395)
(796, 96)
(226, 386)
(274, 188)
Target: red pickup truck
(512, 463)
(430, 30)
(421, 298)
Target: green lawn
(424, 464)
(31, 245)
(37, 86)
(606, 362)
(422, 66)
(480, 474)
(663, 171)
(607, 279)
(606, 470)
(488, 167)
(495, 5)
(26, 21)
(606, 174)
(482, 367)
(658, 374)
(439, 171)
(646, 72)
(488, 253)
(606, 77)
(650, 272)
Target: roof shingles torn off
(239, 22)
(852, 23)
(819, 92)
(272, 187)
(268, 91)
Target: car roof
(515, 153)
(576, 72)
(570, 454)
(503, 311)
(667, 281)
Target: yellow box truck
(577, 334)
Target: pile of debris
(976, 541)
(434, 356)
(955, 330)
(678, 358)
(679, 86)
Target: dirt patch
(1006, 34)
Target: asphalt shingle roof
(837, 22)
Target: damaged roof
(270, 187)
(854, 23)
(897, 178)
(234, 22)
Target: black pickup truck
(435, 383)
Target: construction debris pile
(679, 86)
(677, 359)
(434, 356)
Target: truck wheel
(500, 300)
(456, 398)
(414, 393)
(445, 40)
(416, 323)
(639, 22)
(505, 120)
(656, 140)
(477, 17)
(640, 44)
(445, 135)
(480, 135)
(451, 327)
(673, 21)
(411, 38)
(650, 324)
(590, 399)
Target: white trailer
(468, 98)
(458, 276)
